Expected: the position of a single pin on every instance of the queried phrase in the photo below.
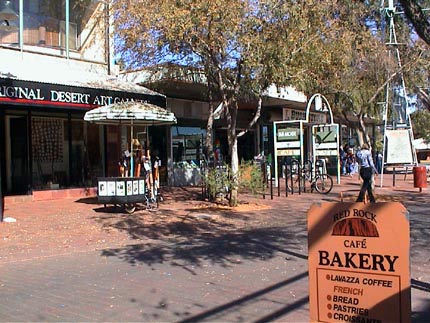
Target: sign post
(359, 263)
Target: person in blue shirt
(367, 168)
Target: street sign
(359, 263)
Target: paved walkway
(73, 260)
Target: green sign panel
(288, 134)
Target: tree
(351, 64)
(419, 19)
(243, 46)
(416, 13)
(357, 86)
(421, 124)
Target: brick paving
(188, 261)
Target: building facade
(56, 63)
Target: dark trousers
(366, 174)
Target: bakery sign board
(359, 263)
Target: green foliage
(250, 178)
(421, 124)
(219, 182)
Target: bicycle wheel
(130, 207)
(323, 184)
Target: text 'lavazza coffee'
(359, 263)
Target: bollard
(264, 180)
(279, 186)
(420, 177)
(271, 184)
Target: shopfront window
(49, 152)
(9, 25)
(86, 158)
(44, 24)
(187, 145)
(65, 154)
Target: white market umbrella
(130, 113)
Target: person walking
(379, 158)
(367, 169)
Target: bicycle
(296, 181)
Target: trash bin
(420, 176)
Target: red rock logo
(356, 227)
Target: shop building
(56, 63)
(187, 97)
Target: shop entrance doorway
(17, 164)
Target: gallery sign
(34, 93)
(359, 263)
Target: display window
(187, 145)
(65, 153)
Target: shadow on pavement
(421, 316)
(185, 243)
(241, 301)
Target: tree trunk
(234, 165)
(209, 126)
(363, 136)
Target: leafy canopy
(264, 42)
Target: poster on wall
(111, 188)
(120, 188)
(135, 187)
(141, 186)
(103, 190)
(129, 188)
(399, 147)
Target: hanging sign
(359, 263)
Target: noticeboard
(359, 263)
(399, 147)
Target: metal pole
(271, 182)
(264, 179)
(131, 173)
(286, 180)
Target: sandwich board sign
(359, 263)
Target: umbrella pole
(131, 151)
